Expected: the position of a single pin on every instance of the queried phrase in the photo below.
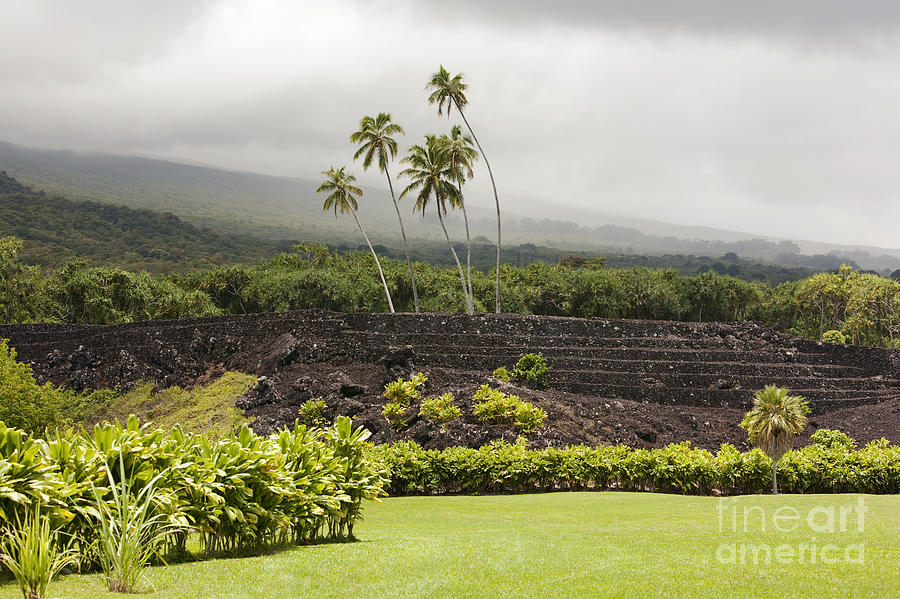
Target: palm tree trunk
(387, 293)
(462, 277)
(496, 198)
(412, 275)
(468, 250)
(774, 478)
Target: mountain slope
(57, 230)
(232, 202)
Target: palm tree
(376, 142)
(342, 197)
(461, 155)
(772, 422)
(429, 174)
(450, 91)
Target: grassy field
(570, 545)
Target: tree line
(848, 305)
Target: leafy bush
(832, 439)
(312, 412)
(241, 491)
(395, 414)
(529, 417)
(440, 410)
(400, 395)
(532, 370)
(501, 374)
(405, 392)
(678, 468)
(495, 406)
(834, 336)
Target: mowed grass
(567, 545)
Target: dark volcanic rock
(644, 383)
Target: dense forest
(846, 306)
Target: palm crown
(429, 173)
(772, 422)
(460, 153)
(342, 188)
(447, 91)
(376, 141)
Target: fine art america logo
(817, 535)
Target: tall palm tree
(772, 422)
(461, 155)
(376, 142)
(430, 176)
(450, 91)
(342, 198)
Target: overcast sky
(779, 118)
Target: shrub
(312, 412)
(529, 417)
(501, 374)
(493, 405)
(400, 394)
(395, 415)
(405, 392)
(832, 439)
(440, 410)
(834, 336)
(532, 370)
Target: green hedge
(500, 467)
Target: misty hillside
(56, 230)
(278, 208)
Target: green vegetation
(33, 553)
(825, 466)
(312, 412)
(119, 491)
(25, 404)
(501, 374)
(207, 408)
(58, 230)
(773, 421)
(440, 410)
(532, 370)
(564, 544)
(496, 407)
(865, 307)
(400, 395)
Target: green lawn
(567, 545)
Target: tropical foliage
(241, 492)
(773, 421)
(496, 407)
(500, 467)
(865, 308)
(342, 192)
(532, 370)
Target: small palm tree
(430, 176)
(450, 91)
(772, 422)
(461, 155)
(376, 142)
(342, 198)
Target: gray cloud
(752, 116)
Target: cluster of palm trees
(436, 170)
